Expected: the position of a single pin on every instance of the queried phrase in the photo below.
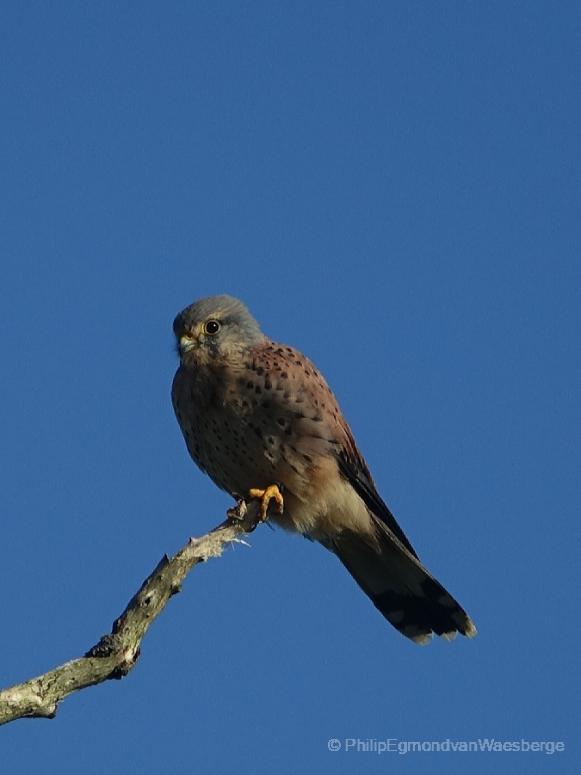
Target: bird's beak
(187, 343)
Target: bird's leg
(271, 493)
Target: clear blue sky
(394, 189)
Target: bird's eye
(212, 327)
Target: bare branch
(116, 653)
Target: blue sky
(394, 189)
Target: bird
(260, 420)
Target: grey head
(217, 327)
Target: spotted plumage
(254, 413)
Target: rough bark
(118, 651)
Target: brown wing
(354, 468)
(314, 401)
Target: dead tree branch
(117, 652)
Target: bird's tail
(400, 587)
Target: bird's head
(215, 328)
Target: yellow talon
(271, 493)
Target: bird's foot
(271, 493)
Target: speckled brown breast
(261, 419)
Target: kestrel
(260, 420)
